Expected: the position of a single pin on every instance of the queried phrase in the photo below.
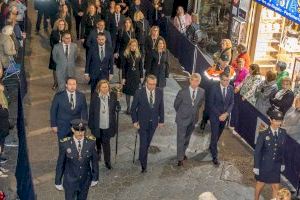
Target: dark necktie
(79, 149)
(151, 99)
(193, 97)
(101, 54)
(224, 92)
(67, 51)
(276, 135)
(72, 102)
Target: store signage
(286, 8)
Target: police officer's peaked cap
(79, 124)
(275, 114)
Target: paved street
(233, 180)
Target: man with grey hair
(207, 196)
(187, 104)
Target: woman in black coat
(159, 64)
(132, 71)
(89, 22)
(141, 30)
(56, 35)
(284, 98)
(124, 36)
(64, 13)
(105, 102)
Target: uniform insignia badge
(267, 138)
(69, 150)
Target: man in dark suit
(221, 100)
(79, 8)
(147, 112)
(116, 22)
(99, 64)
(66, 106)
(77, 163)
(92, 38)
(187, 104)
(102, 118)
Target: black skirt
(270, 176)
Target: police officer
(269, 155)
(77, 163)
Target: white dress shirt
(148, 95)
(74, 97)
(65, 47)
(222, 88)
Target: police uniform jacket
(269, 155)
(76, 171)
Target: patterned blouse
(249, 86)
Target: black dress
(122, 42)
(150, 46)
(160, 67)
(141, 32)
(132, 72)
(4, 123)
(55, 38)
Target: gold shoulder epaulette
(65, 139)
(90, 137)
(262, 128)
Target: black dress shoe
(108, 166)
(202, 125)
(144, 170)
(180, 163)
(185, 157)
(216, 162)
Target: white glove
(59, 187)
(256, 171)
(94, 183)
(282, 168)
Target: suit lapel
(67, 99)
(74, 149)
(77, 99)
(197, 96)
(146, 97)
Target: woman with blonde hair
(64, 14)
(141, 29)
(159, 63)
(124, 36)
(102, 119)
(132, 71)
(56, 37)
(226, 49)
(284, 194)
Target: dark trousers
(217, 128)
(41, 14)
(78, 22)
(146, 135)
(81, 194)
(104, 142)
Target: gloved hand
(59, 187)
(282, 168)
(256, 171)
(94, 183)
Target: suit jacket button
(79, 176)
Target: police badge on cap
(275, 114)
(79, 124)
